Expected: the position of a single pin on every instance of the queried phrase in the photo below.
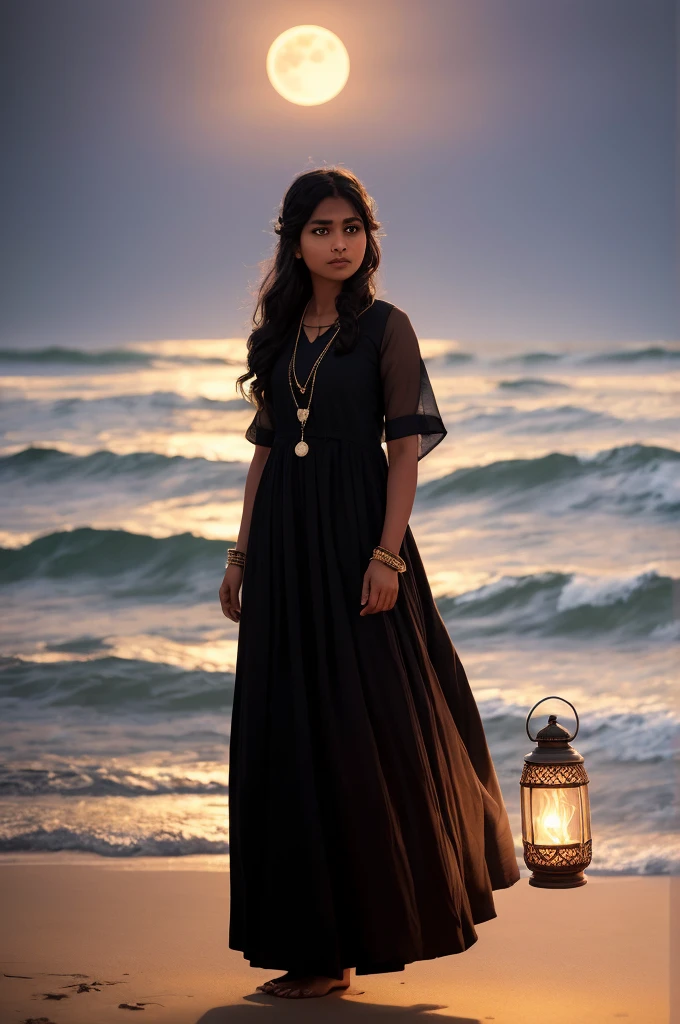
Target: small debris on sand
(90, 986)
(136, 1006)
(54, 974)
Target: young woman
(367, 827)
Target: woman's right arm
(231, 584)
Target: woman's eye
(354, 228)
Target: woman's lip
(338, 261)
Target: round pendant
(302, 415)
(301, 448)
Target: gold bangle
(235, 557)
(389, 558)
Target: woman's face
(333, 241)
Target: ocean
(547, 520)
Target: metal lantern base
(558, 867)
(546, 880)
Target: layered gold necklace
(301, 448)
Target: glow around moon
(308, 65)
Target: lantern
(555, 807)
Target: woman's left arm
(381, 583)
(402, 480)
(400, 372)
(413, 427)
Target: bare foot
(305, 986)
(267, 985)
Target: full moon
(308, 65)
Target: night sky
(522, 154)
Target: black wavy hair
(287, 285)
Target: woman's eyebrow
(347, 220)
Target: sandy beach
(153, 934)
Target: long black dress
(367, 826)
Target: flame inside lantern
(555, 820)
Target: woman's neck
(322, 302)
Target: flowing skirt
(367, 826)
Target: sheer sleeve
(262, 427)
(410, 404)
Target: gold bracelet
(235, 557)
(389, 558)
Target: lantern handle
(533, 738)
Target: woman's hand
(380, 588)
(229, 591)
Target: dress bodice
(346, 401)
(379, 391)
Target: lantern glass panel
(585, 813)
(555, 815)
